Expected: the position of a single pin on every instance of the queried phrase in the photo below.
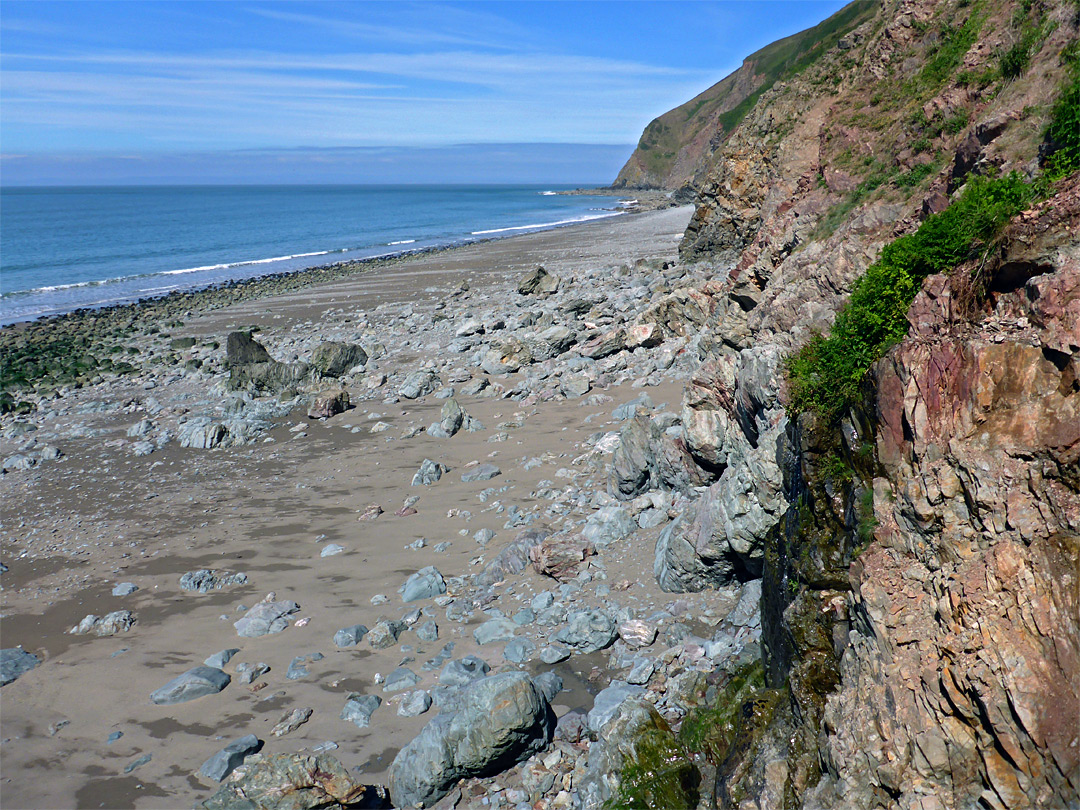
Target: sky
(237, 91)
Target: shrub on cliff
(824, 375)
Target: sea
(66, 248)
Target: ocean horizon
(64, 248)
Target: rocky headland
(771, 502)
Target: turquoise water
(66, 248)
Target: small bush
(1063, 133)
(825, 374)
(1014, 61)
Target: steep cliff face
(920, 550)
(675, 148)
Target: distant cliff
(676, 146)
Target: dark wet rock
(119, 621)
(332, 359)
(429, 472)
(463, 671)
(241, 350)
(482, 472)
(503, 720)
(205, 580)
(538, 282)
(15, 662)
(513, 559)
(225, 761)
(293, 782)
(588, 631)
(549, 684)
(359, 708)
(266, 617)
(195, 683)
(328, 403)
(350, 636)
(424, 584)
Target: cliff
(901, 476)
(675, 147)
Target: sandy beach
(99, 515)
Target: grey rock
(588, 631)
(138, 763)
(219, 659)
(519, 650)
(331, 550)
(15, 662)
(359, 708)
(538, 282)
(297, 670)
(332, 359)
(542, 601)
(247, 673)
(265, 618)
(484, 536)
(503, 720)
(350, 636)
(401, 678)
(202, 433)
(452, 417)
(414, 704)
(608, 525)
(418, 384)
(513, 559)
(482, 472)
(429, 472)
(241, 349)
(194, 683)
(205, 580)
(553, 655)
(428, 631)
(293, 782)
(463, 671)
(524, 617)
(230, 757)
(494, 631)
(641, 671)
(573, 386)
(119, 621)
(424, 584)
(125, 589)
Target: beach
(110, 496)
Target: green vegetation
(825, 374)
(662, 775)
(710, 730)
(942, 62)
(867, 520)
(1063, 132)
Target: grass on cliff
(825, 374)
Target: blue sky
(89, 87)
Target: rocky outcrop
(293, 782)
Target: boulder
(205, 580)
(328, 403)
(119, 621)
(292, 782)
(502, 720)
(429, 472)
(607, 703)
(268, 378)
(424, 584)
(332, 359)
(451, 419)
(265, 618)
(494, 630)
(241, 350)
(418, 383)
(588, 631)
(538, 282)
(195, 683)
(506, 358)
(608, 525)
(359, 708)
(463, 671)
(201, 433)
(229, 758)
(482, 472)
(513, 559)
(604, 345)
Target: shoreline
(40, 356)
(402, 251)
